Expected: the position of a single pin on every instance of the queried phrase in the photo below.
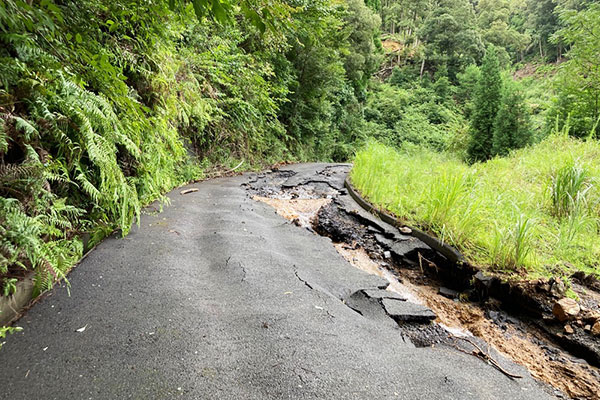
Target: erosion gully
(441, 310)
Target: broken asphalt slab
(405, 311)
(239, 304)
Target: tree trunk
(559, 52)
(422, 69)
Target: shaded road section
(218, 297)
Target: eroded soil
(320, 204)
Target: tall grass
(536, 210)
(569, 190)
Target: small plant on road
(5, 330)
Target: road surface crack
(241, 266)
(302, 280)
(307, 182)
(244, 271)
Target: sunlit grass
(536, 211)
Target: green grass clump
(535, 212)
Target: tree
(262, 15)
(494, 20)
(451, 37)
(362, 60)
(374, 5)
(485, 107)
(512, 126)
(578, 81)
(544, 22)
(467, 82)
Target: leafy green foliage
(106, 105)
(328, 63)
(7, 330)
(568, 191)
(451, 37)
(535, 211)
(496, 19)
(578, 80)
(9, 286)
(543, 22)
(485, 107)
(512, 246)
(512, 127)
(415, 115)
(467, 84)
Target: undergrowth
(534, 213)
(107, 105)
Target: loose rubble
(565, 309)
(430, 312)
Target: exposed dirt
(519, 341)
(530, 69)
(522, 344)
(299, 211)
(391, 46)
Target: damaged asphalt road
(218, 297)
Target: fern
(9, 173)
(94, 123)
(3, 136)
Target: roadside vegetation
(534, 212)
(496, 154)
(107, 105)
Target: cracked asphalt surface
(218, 297)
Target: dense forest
(107, 105)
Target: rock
(565, 309)
(545, 287)
(558, 288)
(590, 316)
(568, 330)
(494, 315)
(587, 328)
(405, 311)
(596, 329)
(483, 280)
(405, 230)
(387, 255)
(449, 293)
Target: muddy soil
(479, 328)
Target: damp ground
(320, 204)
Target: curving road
(217, 297)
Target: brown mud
(458, 319)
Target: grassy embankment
(534, 213)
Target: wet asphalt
(218, 297)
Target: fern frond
(25, 127)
